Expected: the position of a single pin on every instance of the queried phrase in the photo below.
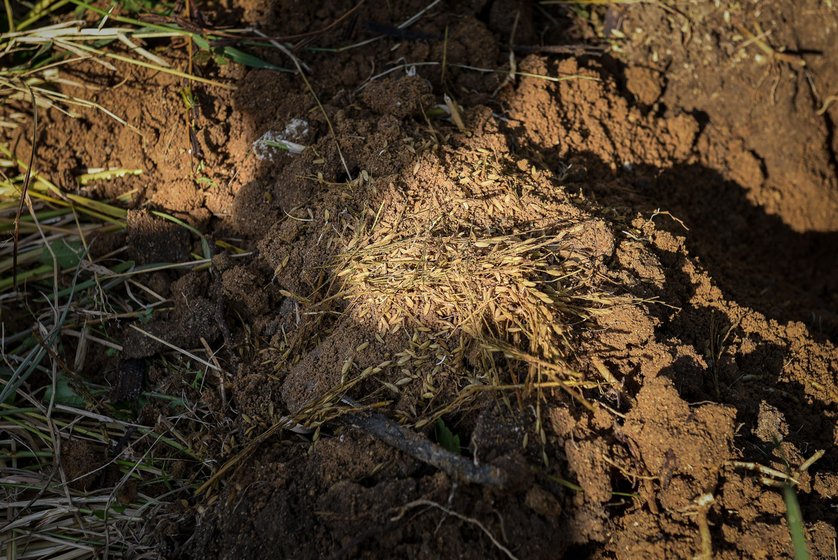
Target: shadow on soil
(759, 262)
(294, 501)
(755, 258)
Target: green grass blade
(795, 520)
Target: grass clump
(82, 475)
(66, 307)
(80, 484)
(509, 304)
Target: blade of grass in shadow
(37, 354)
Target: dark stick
(577, 50)
(419, 447)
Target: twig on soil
(477, 69)
(608, 376)
(444, 57)
(767, 471)
(454, 111)
(811, 461)
(778, 479)
(659, 212)
(627, 473)
(513, 66)
(387, 431)
(284, 423)
(420, 448)
(186, 353)
(448, 511)
(402, 26)
(576, 50)
(826, 103)
(220, 372)
(773, 54)
(418, 15)
(284, 50)
(305, 37)
(703, 505)
(220, 309)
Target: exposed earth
(611, 273)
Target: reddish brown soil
(693, 186)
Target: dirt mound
(418, 249)
(615, 290)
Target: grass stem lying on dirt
(57, 47)
(406, 66)
(300, 67)
(788, 482)
(460, 516)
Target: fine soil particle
(154, 240)
(638, 248)
(80, 464)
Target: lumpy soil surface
(590, 249)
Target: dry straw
(517, 296)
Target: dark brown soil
(692, 190)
